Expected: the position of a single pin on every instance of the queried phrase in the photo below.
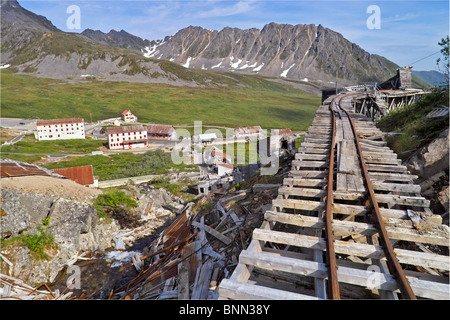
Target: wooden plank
(359, 228)
(402, 200)
(382, 160)
(399, 177)
(315, 145)
(386, 168)
(396, 187)
(304, 182)
(374, 142)
(309, 156)
(213, 232)
(304, 192)
(387, 155)
(318, 193)
(201, 284)
(422, 259)
(298, 204)
(308, 173)
(309, 164)
(302, 149)
(235, 290)
(183, 280)
(359, 277)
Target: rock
(66, 212)
(433, 158)
(436, 158)
(443, 198)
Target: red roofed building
(60, 129)
(127, 116)
(83, 175)
(127, 137)
(161, 131)
(248, 132)
(282, 132)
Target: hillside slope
(294, 52)
(308, 53)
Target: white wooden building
(128, 117)
(60, 129)
(127, 137)
(161, 132)
(249, 132)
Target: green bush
(115, 199)
(37, 243)
(414, 128)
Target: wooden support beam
(235, 290)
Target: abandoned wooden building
(127, 137)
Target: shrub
(37, 243)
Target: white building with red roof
(161, 131)
(249, 132)
(127, 137)
(60, 129)
(128, 117)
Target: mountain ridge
(296, 52)
(305, 53)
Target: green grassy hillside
(243, 100)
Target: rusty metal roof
(83, 174)
(283, 131)
(11, 168)
(123, 129)
(249, 130)
(160, 128)
(59, 121)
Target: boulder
(63, 209)
(431, 159)
(443, 198)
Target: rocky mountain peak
(13, 13)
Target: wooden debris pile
(200, 248)
(15, 289)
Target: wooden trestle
(286, 258)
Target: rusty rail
(392, 261)
(331, 255)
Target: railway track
(348, 223)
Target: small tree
(444, 62)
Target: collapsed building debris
(201, 247)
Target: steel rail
(333, 287)
(392, 261)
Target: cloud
(226, 11)
(398, 17)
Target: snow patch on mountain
(285, 72)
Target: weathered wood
(396, 187)
(309, 156)
(213, 232)
(438, 237)
(244, 291)
(347, 275)
(201, 284)
(399, 177)
(386, 168)
(309, 164)
(303, 149)
(308, 173)
(304, 182)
